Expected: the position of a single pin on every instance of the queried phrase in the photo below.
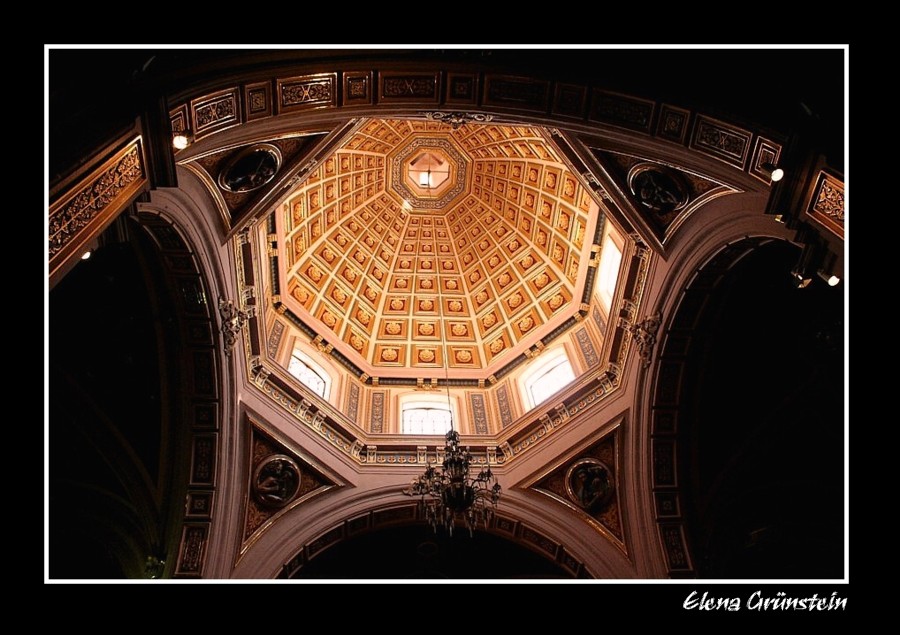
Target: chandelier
(451, 493)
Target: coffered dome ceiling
(415, 240)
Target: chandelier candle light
(451, 493)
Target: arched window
(608, 268)
(420, 415)
(310, 374)
(548, 377)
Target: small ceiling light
(86, 255)
(775, 173)
(779, 218)
(181, 139)
(801, 281)
(831, 279)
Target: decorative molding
(192, 552)
(587, 347)
(673, 123)
(479, 413)
(462, 88)
(644, 335)
(233, 320)
(504, 406)
(203, 460)
(519, 93)
(827, 203)
(569, 100)
(85, 208)
(358, 88)
(457, 119)
(672, 536)
(307, 91)
(274, 340)
(376, 414)
(622, 111)
(353, 402)
(417, 87)
(258, 100)
(215, 111)
(722, 141)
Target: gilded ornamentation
(489, 320)
(210, 113)
(364, 317)
(392, 328)
(455, 305)
(192, 542)
(463, 356)
(644, 335)
(329, 319)
(276, 481)
(426, 355)
(339, 296)
(98, 195)
(525, 323)
(389, 354)
(233, 320)
(497, 345)
(556, 301)
(589, 484)
(409, 87)
(830, 199)
(458, 119)
(515, 300)
(459, 330)
(307, 93)
(396, 304)
(314, 273)
(587, 347)
(729, 143)
(356, 342)
(426, 328)
(426, 305)
(274, 339)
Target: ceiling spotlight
(86, 255)
(801, 281)
(181, 139)
(829, 278)
(775, 173)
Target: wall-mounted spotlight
(801, 280)
(775, 173)
(801, 274)
(182, 139)
(829, 278)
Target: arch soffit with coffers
(731, 228)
